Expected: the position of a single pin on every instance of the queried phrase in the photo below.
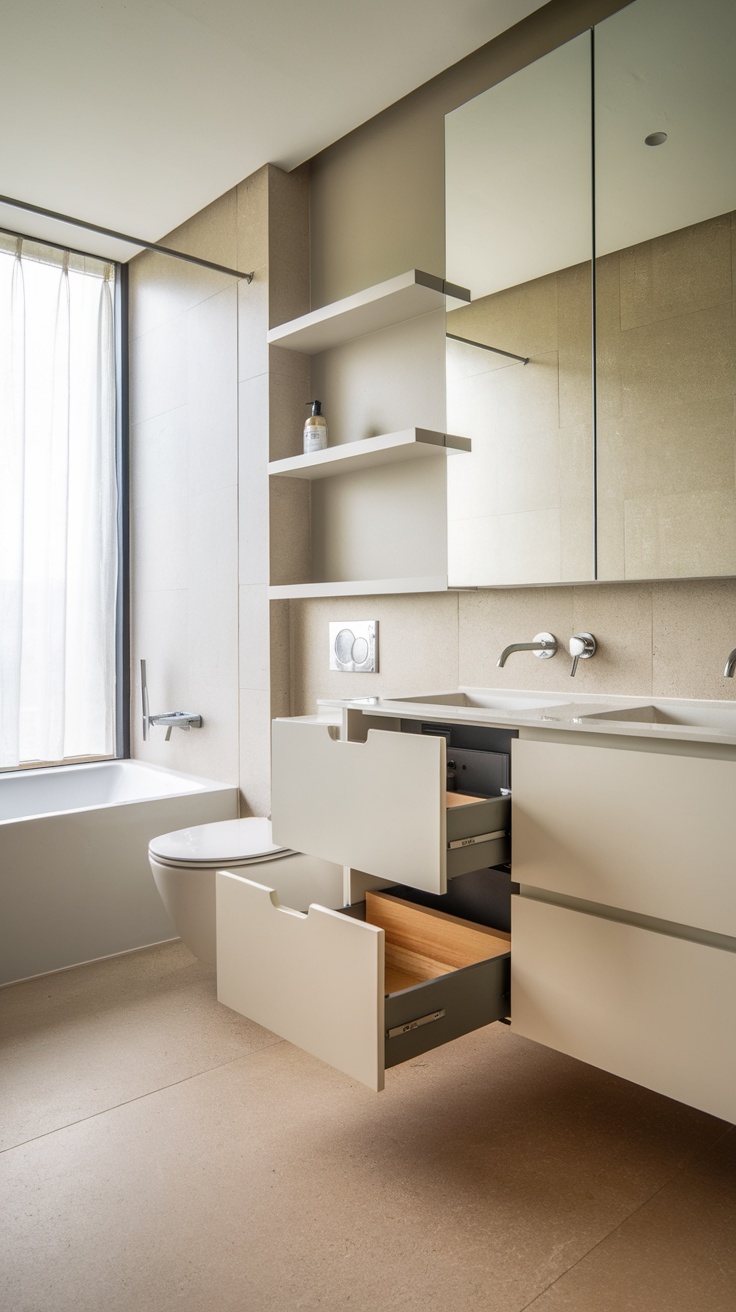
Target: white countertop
(651, 717)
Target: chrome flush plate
(354, 646)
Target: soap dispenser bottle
(315, 429)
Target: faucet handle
(581, 647)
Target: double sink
(711, 721)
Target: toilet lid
(226, 841)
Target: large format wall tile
(253, 534)
(490, 621)
(212, 397)
(685, 535)
(255, 659)
(158, 375)
(210, 233)
(418, 647)
(620, 617)
(520, 319)
(694, 631)
(676, 274)
(289, 391)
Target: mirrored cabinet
(665, 165)
(518, 223)
(590, 209)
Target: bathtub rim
(203, 785)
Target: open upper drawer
(361, 995)
(381, 806)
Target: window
(59, 553)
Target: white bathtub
(75, 883)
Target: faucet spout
(544, 646)
(730, 665)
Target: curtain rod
(122, 236)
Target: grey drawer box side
(470, 998)
(484, 817)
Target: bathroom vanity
(620, 830)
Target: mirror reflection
(518, 222)
(665, 152)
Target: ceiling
(134, 114)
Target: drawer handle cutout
(414, 1024)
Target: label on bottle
(315, 439)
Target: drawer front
(657, 1010)
(318, 980)
(646, 832)
(314, 979)
(380, 806)
(376, 805)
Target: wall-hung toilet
(184, 865)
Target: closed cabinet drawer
(361, 994)
(381, 806)
(647, 832)
(655, 1009)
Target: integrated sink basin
(477, 699)
(721, 718)
(687, 720)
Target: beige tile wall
(658, 639)
(519, 507)
(667, 406)
(184, 496)
(209, 403)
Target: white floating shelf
(359, 587)
(404, 297)
(388, 449)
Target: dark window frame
(122, 445)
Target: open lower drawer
(360, 994)
(381, 806)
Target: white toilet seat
(227, 843)
(184, 865)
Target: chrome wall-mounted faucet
(168, 719)
(581, 648)
(730, 665)
(544, 646)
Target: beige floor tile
(483, 1173)
(676, 1254)
(83, 1040)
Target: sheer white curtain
(58, 505)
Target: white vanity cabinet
(624, 927)
(623, 906)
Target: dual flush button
(354, 646)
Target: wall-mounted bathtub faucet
(169, 719)
(730, 665)
(581, 648)
(544, 646)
